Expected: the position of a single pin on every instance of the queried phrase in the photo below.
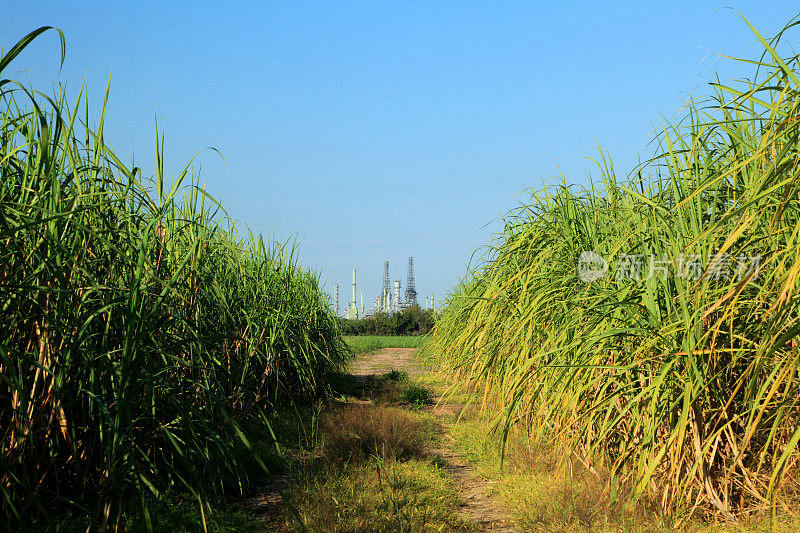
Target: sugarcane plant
(139, 327)
(672, 367)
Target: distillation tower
(352, 307)
(396, 303)
(385, 294)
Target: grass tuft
(396, 375)
(417, 395)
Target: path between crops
(477, 506)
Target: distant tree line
(411, 321)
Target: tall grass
(138, 327)
(686, 390)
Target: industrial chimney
(336, 297)
(353, 303)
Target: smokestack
(336, 297)
(362, 304)
(433, 305)
(355, 309)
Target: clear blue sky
(379, 130)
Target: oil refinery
(389, 299)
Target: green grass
(381, 495)
(141, 329)
(685, 390)
(179, 514)
(370, 343)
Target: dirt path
(477, 506)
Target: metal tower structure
(336, 297)
(411, 291)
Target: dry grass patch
(356, 432)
